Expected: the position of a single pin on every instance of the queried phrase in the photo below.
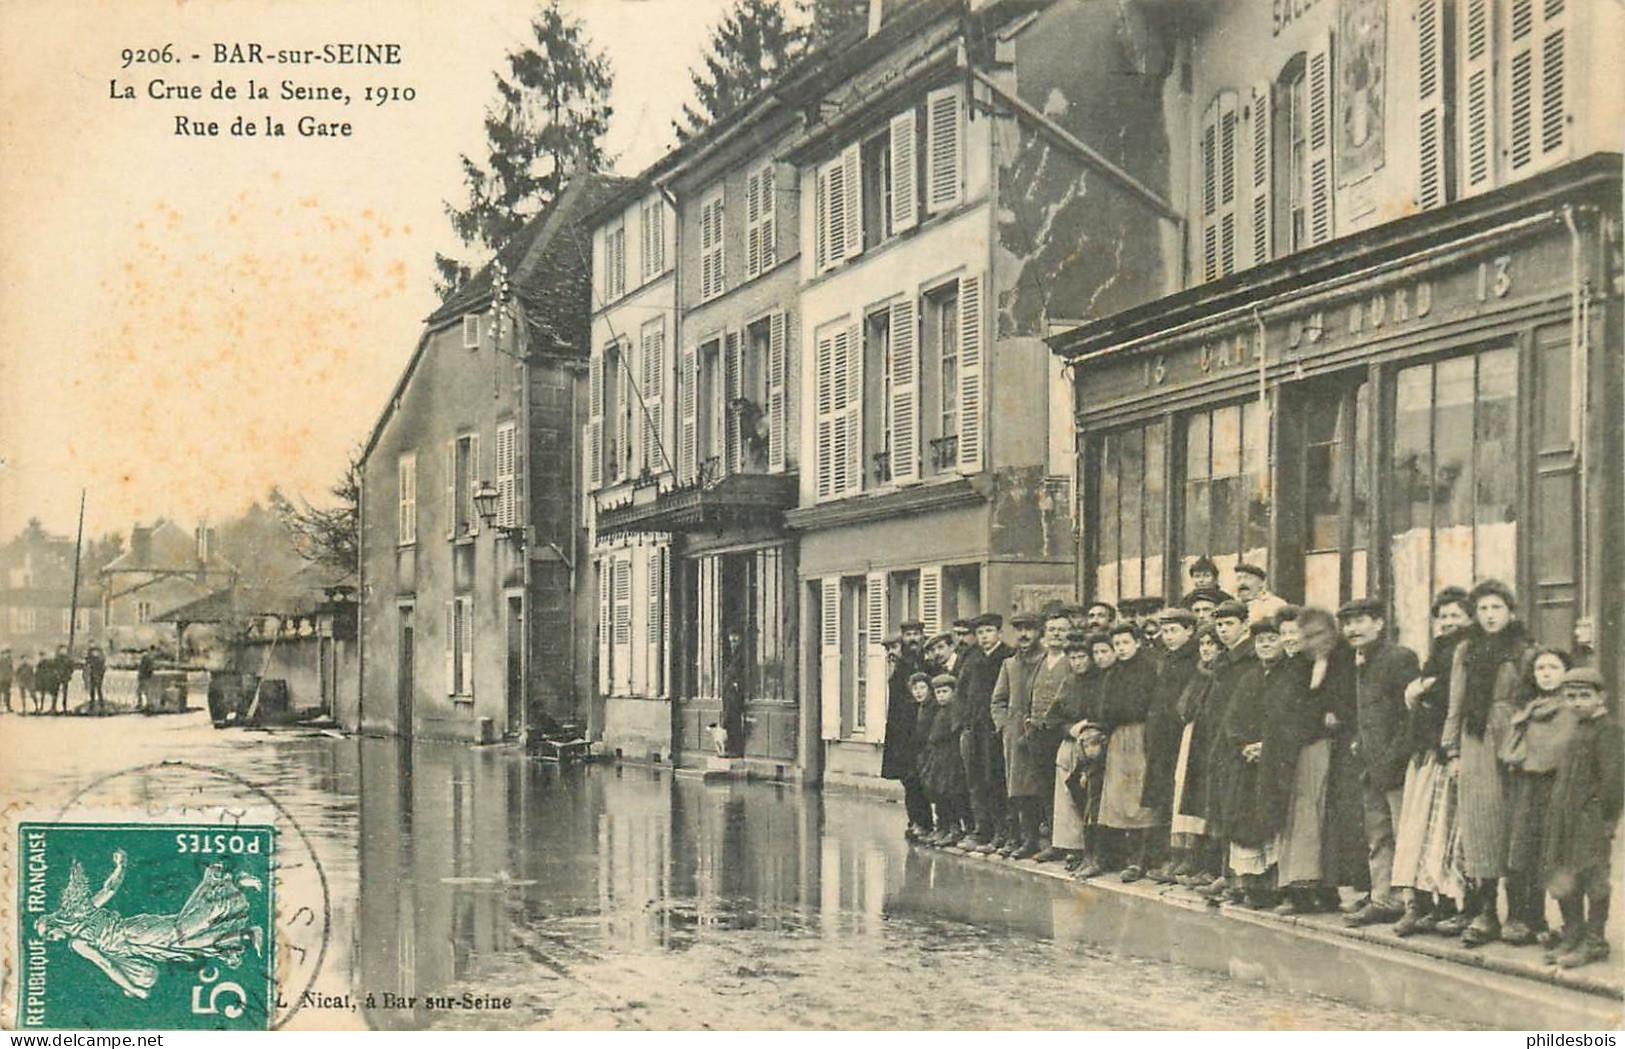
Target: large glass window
(1131, 505)
(1455, 487)
(1336, 436)
(1227, 486)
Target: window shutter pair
(875, 681)
(595, 420)
(407, 495)
(839, 232)
(829, 657)
(761, 250)
(711, 254)
(456, 508)
(778, 399)
(654, 239)
(459, 647)
(945, 149)
(654, 385)
(1220, 151)
(839, 414)
(905, 391)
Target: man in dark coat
(978, 738)
(1343, 854)
(1382, 669)
(95, 670)
(734, 669)
(1230, 622)
(144, 670)
(900, 759)
(45, 682)
(5, 677)
(1163, 725)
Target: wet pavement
(629, 898)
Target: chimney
(141, 544)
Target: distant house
(36, 594)
(469, 611)
(164, 568)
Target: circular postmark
(217, 801)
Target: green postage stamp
(145, 926)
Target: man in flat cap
(1028, 684)
(1382, 669)
(1252, 590)
(978, 737)
(1233, 666)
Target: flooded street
(604, 897)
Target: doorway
(1333, 430)
(516, 664)
(405, 675)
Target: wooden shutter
(1229, 183)
(654, 384)
(778, 409)
(605, 568)
(1210, 192)
(768, 233)
(466, 619)
(905, 188)
(1537, 117)
(507, 476)
(970, 374)
(451, 488)
(622, 448)
(656, 621)
(945, 148)
(824, 199)
(931, 599)
(1477, 52)
(710, 636)
(824, 415)
(1258, 204)
(852, 211)
(875, 683)
(595, 421)
(733, 452)
(451, 647)
(1319, 92)
(753, 218)
(1554, 108)
(905, 392)
(829, 658)
(688, 446)
(1430, 115)
(621, 627)
(848, 451)
(475, 465)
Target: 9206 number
(156, 56)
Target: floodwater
(629, 898)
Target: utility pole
(78, 549)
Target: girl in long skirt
(1126, 701)
(1423, 862)
(1486, 683)
(1540, 735)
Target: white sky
(188, 321)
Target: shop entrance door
(1333, 431)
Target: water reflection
(629, 897)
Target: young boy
(941, 769)
(1581, 821)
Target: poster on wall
(1361, 82)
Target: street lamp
(486, 497)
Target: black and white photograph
(812, 515)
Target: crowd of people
(1272, 756)
(41, 680)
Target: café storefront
(1435, 401)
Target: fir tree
(749, 49)
(548, 121)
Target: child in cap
(1580, 824)
(941, 768)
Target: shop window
(1454, 506)
(1337, 432)
(1554, 503)
(1130, 513)
(1226, 486)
